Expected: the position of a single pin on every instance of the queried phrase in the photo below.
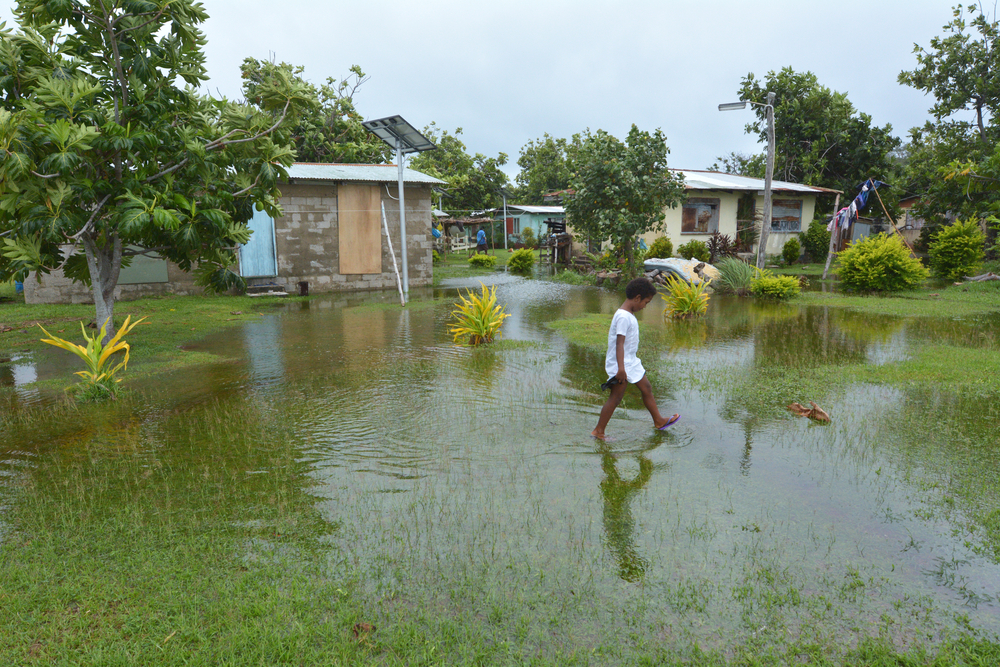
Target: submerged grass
(197, 538)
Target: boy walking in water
(621, 363)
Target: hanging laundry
(846, 216)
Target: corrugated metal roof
(537, 209)
(377, 173)
(712, 180)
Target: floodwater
(456, 476)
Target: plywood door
(360, 217)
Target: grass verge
(171, 322)
(456, 265)
(951, 301)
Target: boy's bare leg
(617, 392)
(647, 399)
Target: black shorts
(481, 247)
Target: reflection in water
(455, 473)
(265, 350)
(747, 448)
(619, 525)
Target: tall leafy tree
(961, 69)
(622, 189)
(547, 165)
(329, 130)
(952, 163)
(820, 138)
(741, 164)
(474, 182)
(107, 148)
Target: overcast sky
(509, 71)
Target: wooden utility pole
(768, 173)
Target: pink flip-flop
(673, 420)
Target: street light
(405, 138)
(768, 172)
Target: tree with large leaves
(474, 182)
(622, 189)
(328, 131)
(103, 151)
(820, 138)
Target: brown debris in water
(815, 412)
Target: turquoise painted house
(521, 217)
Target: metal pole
(388, 239)
(762, 243)
(402, 219)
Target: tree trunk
(104, 260)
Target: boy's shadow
(619, 524)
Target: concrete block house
(330, 235)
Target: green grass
(7, 292)
(590, 330)
(456, 265)
(950, 301)
(812, 271)
(171, 322)
(570, 277)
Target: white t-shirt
(625, 324)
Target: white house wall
(728, 203)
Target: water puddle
(448, 469)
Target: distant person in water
(621, 364)
(481, 241)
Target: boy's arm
(621, 376)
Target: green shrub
(816, 241)
(571, 277)
(734, 277)
(769, 286)
(521, 260)
(483, 261)
(436, 257)
(694, 250)
(528, 237)
(790, 251)
(603, 262)
(957, 250)
(684, 299)
(661, 248)
(879, 263)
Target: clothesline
(846, 216)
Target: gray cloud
(507, 72)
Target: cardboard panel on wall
(359, 216)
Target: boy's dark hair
(641, 287)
